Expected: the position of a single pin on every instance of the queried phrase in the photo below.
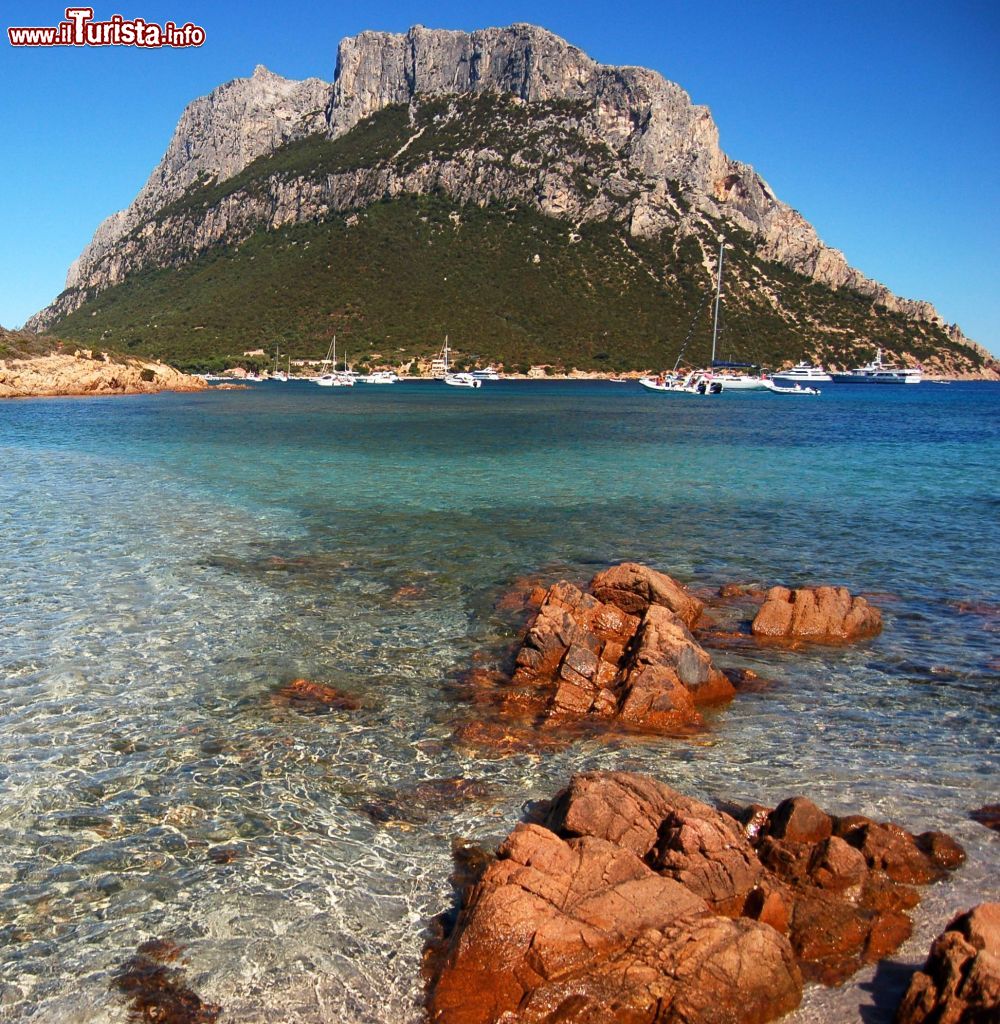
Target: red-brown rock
(583, 658)
(634, 588)
(580, 930)
(663, 639)
(800, 821)
(635, 903)
(960, 982)
(821, 615)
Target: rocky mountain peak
(666, 169)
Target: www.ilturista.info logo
(80, 29)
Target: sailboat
(696, 382)
(333, 379)
(280, 375)
(440, 370)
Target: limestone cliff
(642, 154)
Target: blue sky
(878, 120)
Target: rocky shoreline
(84, 373)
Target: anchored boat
(877, 372)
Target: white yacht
(334, 380)
(488, 373)
(877, 372)
(802, 373)
(462, 380)
(380, 377)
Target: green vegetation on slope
(25, 345)
(391, 280)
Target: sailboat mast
(718, 295)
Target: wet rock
(313, 698)
(584, 915)
(588, 928)
(634, 588)
(742, 591)
(892, 850)
(960, 982)
(800, 821)
(820, 615)
(988, 815)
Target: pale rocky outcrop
(217, 136)
(653, 131)
(54, 375)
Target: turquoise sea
(168, 562)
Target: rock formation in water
(630, 902)
(579, 141)
(816, 615)
(960, 982)
(624, 654)
(584, 658)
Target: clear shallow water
(168, 562)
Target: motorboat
(877, 372)
(697, 382)
(791, 389)
(380, 377)
(802, 373)
(462, 380)
(487, 373)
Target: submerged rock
(157, 992)
(305, 695)
(960, 982)
(820, 615)
(988, 815)
(631, 902)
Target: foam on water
(169, 562)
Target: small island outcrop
(820, 615)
